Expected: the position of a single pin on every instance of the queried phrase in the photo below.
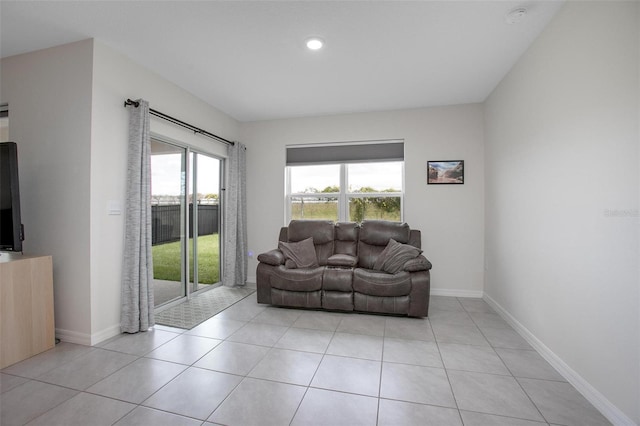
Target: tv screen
(11, 234)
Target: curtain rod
(181, 123)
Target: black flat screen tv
(11, 230)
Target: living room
(544, 227)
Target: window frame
(343, 196)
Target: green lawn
(166, 260)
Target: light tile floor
(258, 365)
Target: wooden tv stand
(26, 307)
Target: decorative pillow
(299, 255)
(290, 264)
(394, 256)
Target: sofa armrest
(420, 292)
(342, 260)
(272, 257)
(419, 263)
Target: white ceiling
(249, 60)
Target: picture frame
(445, 172)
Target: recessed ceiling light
(315, 43)
(516, 15)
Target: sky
(166, 174)
(379, 176)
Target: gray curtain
(137, 269)
(235, 219)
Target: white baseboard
(105, 334)
(597, 399)
(73, 337)
(85, 338)
(251, 279)
(455, 293)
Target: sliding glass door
(186, 221)
(204, 228)
(168, 216)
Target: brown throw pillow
(394, 256)
(299, 255)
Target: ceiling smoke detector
(516, 15)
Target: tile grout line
(508, 369)
(446, 372)
(384, 335)
(314, 373)
(192, 366)
(242, 377)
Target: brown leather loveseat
(376, 266)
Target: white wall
(562, 200)
(450, 216)
(67, 115)
(49, 96)
(115, 79)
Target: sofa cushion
(346, 238)
(381, 284)
(296, 279)
(342, 260)
(308, 299)
(338, 279)
(394, 256)
(322, 231)
(374, 237)
(301, 254)
(337, 300)
(378, 232)
(385, 305)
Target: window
(374, 191)
(314, 192)
(345, 190)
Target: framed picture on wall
(445, 172)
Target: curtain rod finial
(130, 102)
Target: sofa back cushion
(322, 232)
(374, 237)
(346, 238)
